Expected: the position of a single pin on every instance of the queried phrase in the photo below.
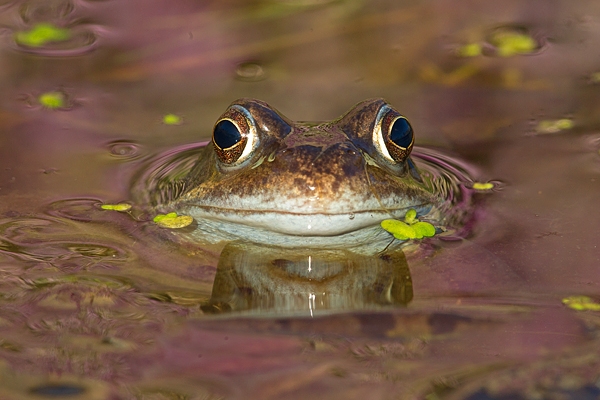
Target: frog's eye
(392, 135)
(234, 136)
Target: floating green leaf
(41, 34)
(171, 119)
(411, 216)
(399, 229)
(172, 220)
(483, 185)
(423, 229)
(470, 50)
(554, 125)
(509, 43)
(52, 100)
(581, 303)
(116, 207)
(595, 77)
(411, 228)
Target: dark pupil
(226, 134)
(401, 133)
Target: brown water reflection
(97, 304)
(275, 280)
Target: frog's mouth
(359, 230)
(294, 223)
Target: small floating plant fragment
(511, 41)
(581, 303)
(410, 228)
(595, 77)
(122, 207)
(52, 100)
(41, 34)
(470, 50)
(483, 186)
(173, 221)
(172, 119)
(554, 125)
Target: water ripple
(58, 243)
(124, 149)
(452, 180)
(82, 39)
(154, 183)
(79, 209)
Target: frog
(268, 180)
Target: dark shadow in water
(276, 279)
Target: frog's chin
(289, 229)
(365, 240)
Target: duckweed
(42, 34)
(554, 126)
(171, 119)
(510, 43)
(122, 207)
(595, 77)
(470, 50)
(410, 228)
(52, 100)
(581, 303)
(483, 185)
(172, 220)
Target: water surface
(107, 305)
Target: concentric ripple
(124, 149)
(452, 180)
(81, 39)
(155, 182)
(53, 28)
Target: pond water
(98, 304)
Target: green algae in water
(173, 221)
(42, 34)
(411, 228)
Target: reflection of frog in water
(302, 202)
